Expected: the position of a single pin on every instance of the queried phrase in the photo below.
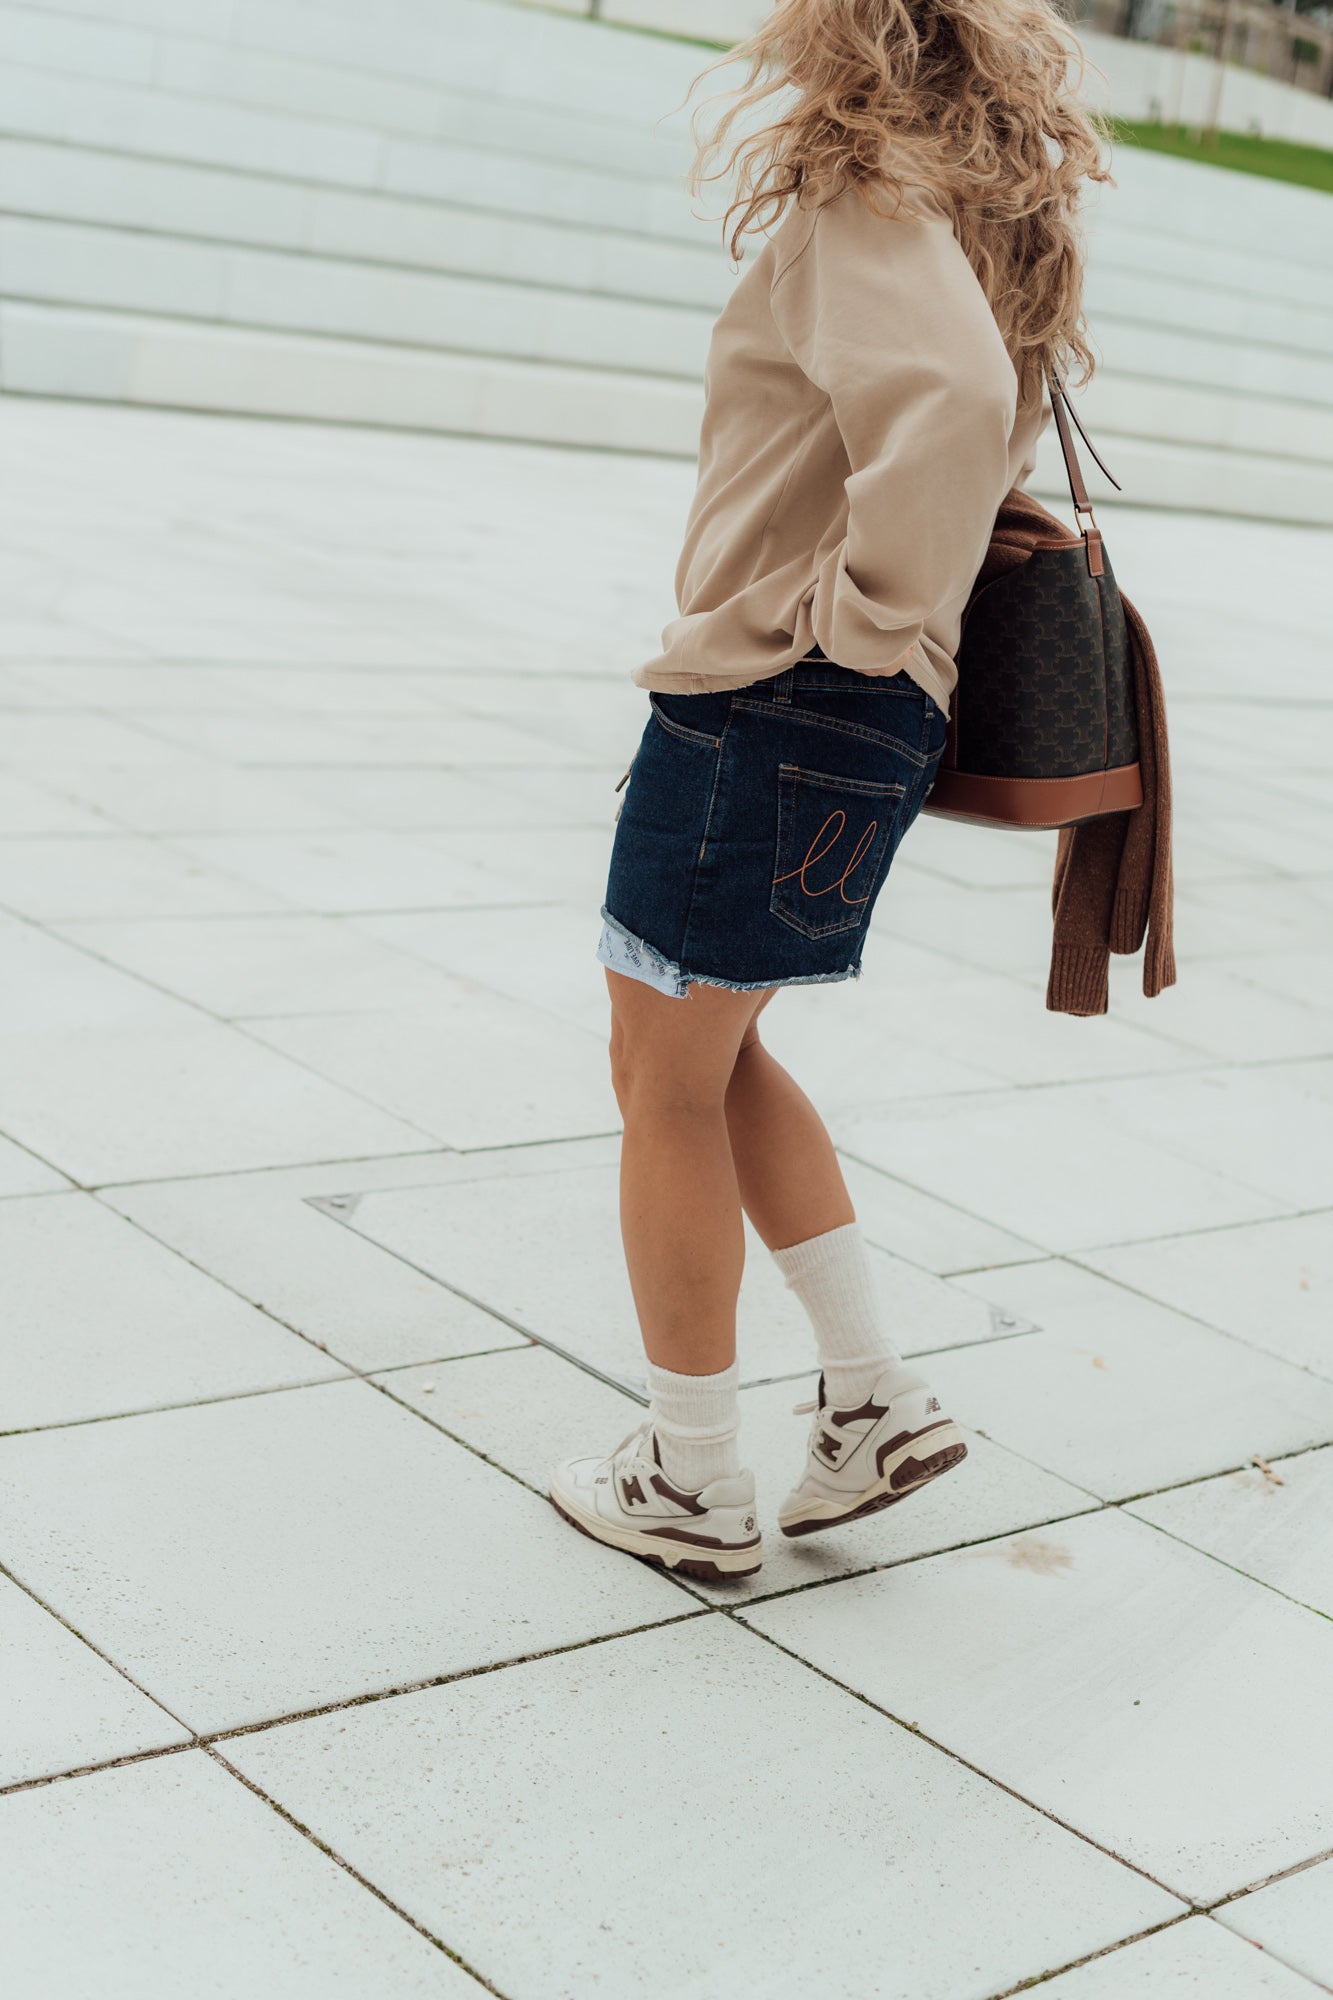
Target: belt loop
(782, 688)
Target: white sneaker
(627, 1501)
(861, 1460)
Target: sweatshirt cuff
(1078, 983)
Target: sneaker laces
(636, 1436)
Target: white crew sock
(831, 1276)
(696, 1421)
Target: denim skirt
(758, 826)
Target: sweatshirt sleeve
(886, 316)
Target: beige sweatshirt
(861, 429)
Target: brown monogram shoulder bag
(1043, 730)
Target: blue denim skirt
(758, 826)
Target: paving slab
(1096, 1666)
(1193, 1960)
(194, 795)
(47, 985)
(103, 1320)
(417, 797)
(29, 808)
(1121, 1394)
(1263, 1125)
(568, 865)
(123, 1104)
(1054, 1165)
(544, 1252)
(21, 1173)
(117, 875)
(170, 1877)
(247, 1559)
(988, 1023)
(528, 1408)
(240, 967)
(1270, 1284)
(506, 1814)
(353, 869)
(266, 1237)
(65, 1707)
(1292, 1920)
(1224, 1014)
(921, 1229)
(543, 955)
(1273, 1526)
(497, 1075)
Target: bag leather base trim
(1034, 802)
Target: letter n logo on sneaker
(829, 1447)
(630, 1491)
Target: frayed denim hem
(637, 959)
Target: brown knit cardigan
(1113, 885)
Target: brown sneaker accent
(905, 1437)
(697, 1566)
(829, 1447)
(701, 1541)
(630, 1491)
(689, 1501)
(914, 1473)
(870, 1409)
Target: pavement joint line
(1266, 1881)
(759, 1596)
(1224, 1562)
(1181, 1235)
(204, 1739)
(107, 1658)
(288, 1326)
(370, 1697)
(356, 1874)
(166, 1409)
(1197, 1319)
(737, 1616)
(1035, 1981)
(218, 1020)
(885, 1173)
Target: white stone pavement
(310, 1266)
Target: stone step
(72, 264)
(124, 357)
(1206, 293)
(468, 216)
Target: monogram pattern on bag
(1044, 674)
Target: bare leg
(680, 1205)
(791, 1185)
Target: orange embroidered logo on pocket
(814, 852)
(834, 839)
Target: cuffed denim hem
(637, 959)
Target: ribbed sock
(831, 1276)
(696, 1420)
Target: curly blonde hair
(975, 99)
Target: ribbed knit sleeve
(886, 316)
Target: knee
(648, 1077)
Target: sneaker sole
(905, 1473)
(723, 1567)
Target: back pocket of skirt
(834, 838)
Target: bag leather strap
(1063, 410)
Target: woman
(874, 389)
